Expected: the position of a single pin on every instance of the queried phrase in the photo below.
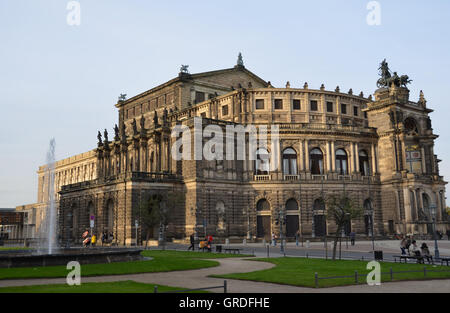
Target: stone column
(328, 157)
(333, 157)
(422, 156)
(351, 160)
(433, 161)
(409, 207)
(300, 156)
(438, 206)
(356, 157)
(307, 169)
(374, 161)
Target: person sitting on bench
(415, 252)
(426, 252)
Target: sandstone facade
(379, 152)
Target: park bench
(234, 250)
(420, 259)
(445, 259)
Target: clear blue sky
(62, 81)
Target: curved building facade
(378, 151)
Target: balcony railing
(261, 177)
(151, 177)
(291, 177)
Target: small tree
(149, 214)
(342, 209)
(156, 212)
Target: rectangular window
(329, 106)
(355, 111)
(278, 104)
(313, 105)
(225, 110)
(365, 114)
(260, 104)
(343, 108)
(296, 104)
(199, 96)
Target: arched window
(316, 161)
(364, 163)
(262, 162)
(263, 205)
(289, 162)
(291, 205)
(319, 219)
(292, 219)
(110, 215)
(341, 162)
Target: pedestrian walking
(352, 238)
(191, 238)
(297, 237)
(274, 239)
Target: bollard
(155, 289)
(316, 279)
(356, 276)
(392, 274)
(267, 251)
(224, 286)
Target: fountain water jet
(47, 231)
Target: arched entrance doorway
(263, 226)
(292, 223)
(319, 220)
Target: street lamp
(281, 221)
(249, 237)
(433, 215)
(371, 212)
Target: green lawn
(13, 248)
(108, 287)
(163, 261)
(300, 272)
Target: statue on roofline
(142, 123)
(387, 79)
(105, 134)
(116, 132)
(122, 97)
(133, 124)
(99, 137)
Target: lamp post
(433, 215)
(249, 237)
(281, 217)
